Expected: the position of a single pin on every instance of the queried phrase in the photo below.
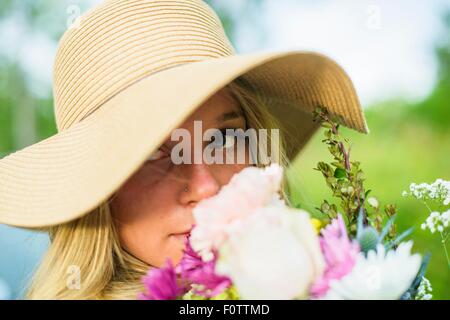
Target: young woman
(106, 187)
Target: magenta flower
(194, 270)
(340, 255)
(162, 284)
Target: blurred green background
(408, 142)
(409, 138)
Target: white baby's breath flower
(447, 200)
(424, 290)
(438, 191)
(437, 221)
(380, 275)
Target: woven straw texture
(130, 73)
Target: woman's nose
(200, 184)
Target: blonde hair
(258, 116)
(90, 245)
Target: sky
(386, 46)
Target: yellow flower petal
(317, 224)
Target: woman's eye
(226, 142)
(158, 154)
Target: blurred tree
(25, 118)
(435, 109)
(18, 106)
(232, 13)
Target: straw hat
(130, 73)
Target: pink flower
(170, 283)
(194, 270)
(218, 216)
(340, 255)
(162, 284)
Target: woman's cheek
(146, 239)
(140, 212)
(224, 172)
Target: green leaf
(331, 180)
(338, 165)
(325, 207)
(411, 293)
(360, 222)
(340, 173)
(390, 209)
(397, 240)
(386, 228)
(327, 125)
(360, 175)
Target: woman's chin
(177, 247)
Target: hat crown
(122, 41)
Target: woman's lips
(183, 237)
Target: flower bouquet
(248, 243)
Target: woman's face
(153, 209)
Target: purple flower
(162, 284)
(340, 255)
(196, 271)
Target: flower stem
(445, 249)
(426, 205)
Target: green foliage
(231, 15)
(397, 151)
(435, 108)
(345, 179)
(413, 290)
(346, 182)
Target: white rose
(275, 254)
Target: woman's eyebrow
(230, 116)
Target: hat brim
(70, 173)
